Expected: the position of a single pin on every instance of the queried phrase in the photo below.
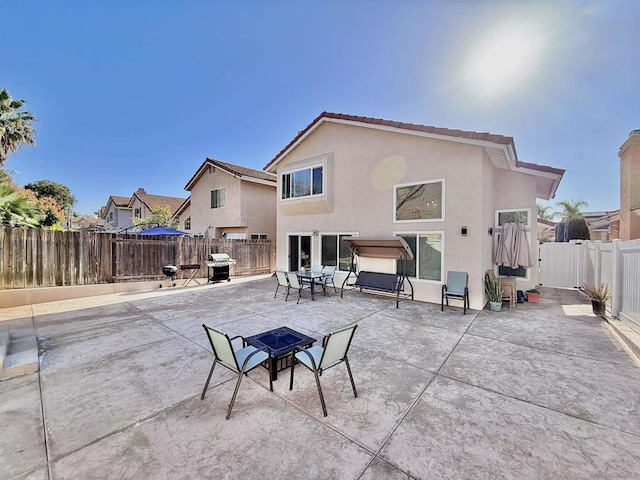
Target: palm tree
(17, 209)
(16, 127)
(571, 208)
(545, 213)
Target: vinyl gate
(560, 264)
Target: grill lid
(220, 260)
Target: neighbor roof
(120, 201)
(154, 201)
(244, 173)
(500, 149)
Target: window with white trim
(334, 252)
(217, 198)
(258, 236)
(428, 254)
(187, 223)
(419, 202)
(303, 183)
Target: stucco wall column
(630, 187)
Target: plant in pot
(493, 288)
(533, 295)
(599, 295)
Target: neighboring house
(116, 213)
(447, 192)
(231, 201)
(630, 187)
(546, 230)
(603, 226)
(183, 215)
(86, 222)
(142, 204)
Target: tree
(57, 191)
(545, 213)
(16, 127)
(161, 216)
(571, 208)
(18, 208)
(573, 225)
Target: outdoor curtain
(513, 248)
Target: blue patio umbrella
(162, 231)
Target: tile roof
(244, 171)
(120, 201)
(154, 201)
(232, 169)
(488, 137)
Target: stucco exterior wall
(630, 187)
(186, 213)
(121, 217)
(249, 207)
(514, 190)
(207, 219)
(362, 166)
(258, 204)
(366, 164)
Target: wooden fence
(46, 258)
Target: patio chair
(319, 358)
(282, 281)
(295, 284)
(456, 287)
(329, 272)
(239, 361)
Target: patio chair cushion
(258, 358)
(316, 353)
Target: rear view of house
(446, 192)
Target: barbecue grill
(170, 272)
(218, 267)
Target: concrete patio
(539, 392)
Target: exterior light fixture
(463, 230)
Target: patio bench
(381, 283)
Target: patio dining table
(312, 278)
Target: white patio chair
(240, 361)
(294, 283)
(282, 282)
(333, 351)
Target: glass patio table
(312, 278)
(279, 342)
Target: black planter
(598, 307)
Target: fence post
(597, 270)
(616, 272)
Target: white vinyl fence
(617, 263)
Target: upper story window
(258, 236)
(303, 183)
(187, 223)
(419, 202)
(137, 213)
(111, 216)
(217, 198)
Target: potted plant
(599, 295)
(494, 291)
(533, 295)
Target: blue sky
(133, 94)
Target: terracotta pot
(533, 297)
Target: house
(116, 213)
(446, 192)
(603, 226)
(546, 230)
(630, 187)
(231, 201)
(183, 215)
(86, 222)
(143, 204)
